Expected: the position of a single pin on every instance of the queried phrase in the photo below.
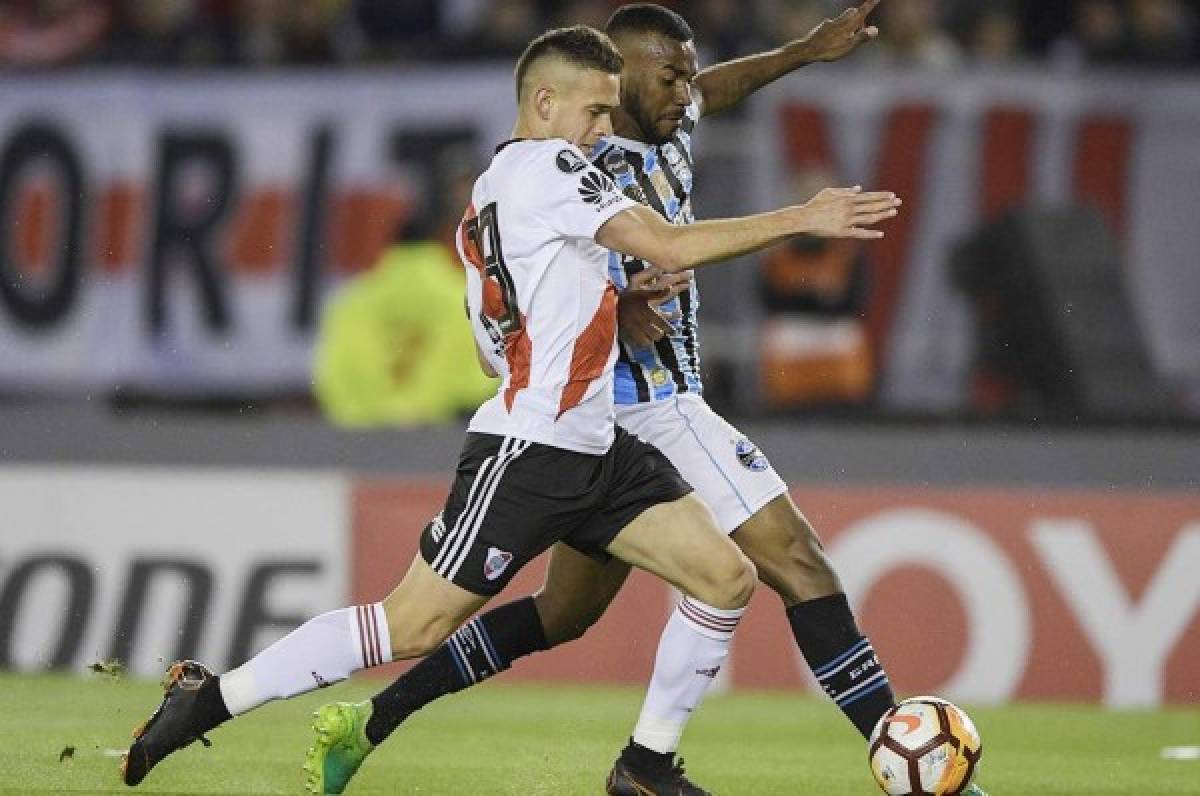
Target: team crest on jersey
(568, 162)
(750, 456)
(594, 186)
(496, 562)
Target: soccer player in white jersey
(658, 390)
(658, 396)
(543, 463)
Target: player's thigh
(511, 500)
(424, 609)
(680, 542)
(726, 470)
(787, 552)
(577, 590)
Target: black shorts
(512, 499)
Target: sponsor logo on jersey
(496, 562)
(568, 162)
(750, 456)
(594, 186)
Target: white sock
(322, 651)
(693, 647)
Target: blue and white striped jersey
(661, 177)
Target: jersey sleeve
(569, 195)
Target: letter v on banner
(900, 166)
(1133, 637)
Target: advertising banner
(147, 566)
(982, 595)
(178, 233)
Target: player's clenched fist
(846, 213)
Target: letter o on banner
(993, 597)
(42, 306)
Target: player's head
(660, 63)
(568, 84)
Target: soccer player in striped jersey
(658, 384)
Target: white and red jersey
(541, 304)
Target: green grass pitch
(503, 739)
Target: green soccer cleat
(974, 790)
(340, 747)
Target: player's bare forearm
(723, 85)
(833, 213)
(707, 242)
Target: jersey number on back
(484, 232)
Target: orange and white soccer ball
(924, 746)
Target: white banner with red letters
(178, 232)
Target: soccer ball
(924, 746)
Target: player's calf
(791, 561)
(787, 553)
(424, 609)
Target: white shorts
(727, 470)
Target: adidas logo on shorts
(437, 528)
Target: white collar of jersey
(629, 144)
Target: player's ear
(543, 102)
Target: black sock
(210, 705)
(483, 647)
(842, 659)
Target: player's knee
(742, 586)
(730, 583)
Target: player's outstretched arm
(722, 85)
(833, 213)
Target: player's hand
(640, 319)
(836, 38)
(847, 213)
(655, 285)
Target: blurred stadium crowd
(39, 34)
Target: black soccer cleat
(662, 777)
(173, 726)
